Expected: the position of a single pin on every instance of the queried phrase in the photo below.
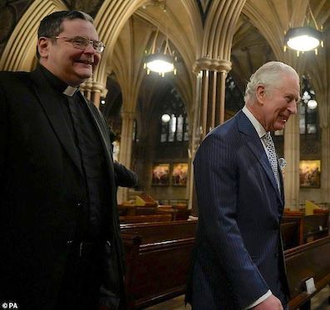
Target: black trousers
(81, 283)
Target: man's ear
(261, 93)
(43, 47)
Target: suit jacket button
(79, 204)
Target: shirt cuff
(259, 300)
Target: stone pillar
(194, 142)
(86, 89)
(97, 90)
(292, 157)
(214, 73)
(125, 152)
(325, 163)
(92, 91)
(209, 108)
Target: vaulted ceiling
(129, 28)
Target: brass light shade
(303, 39)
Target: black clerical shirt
(92, 157)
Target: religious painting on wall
(310, 173)
(179, 174)
(161, 174)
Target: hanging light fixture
(304, 39)
(161, 60)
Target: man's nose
(90, 49)
(293, 107)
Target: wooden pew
(157, 260)
(290, 235)
(145, 218)
(296, 217)
(311, 227)
(316, 226)
(177, 213)
(158, 256)
(311, 260)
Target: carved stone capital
(210, 64)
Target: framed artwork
(179, 174)
(161, 174)
(310, 173)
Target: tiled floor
(319, 302)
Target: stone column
(209, 108)
(325, 163)
(125, 152)
(92, 91)
(194, 142)
(214, 73)
(292, 157)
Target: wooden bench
(298, 219)
(291, 235)
(158, 257)
(145, 218)
(157, 260)
(311, 227)
(316, 226)
(311, 260)
(177, 214)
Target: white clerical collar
(258, 127)
(70, 91)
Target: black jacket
(41, 190)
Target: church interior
(159, 120)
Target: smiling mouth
(86, 62)
(283, 118)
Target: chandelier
(160, 60)
(304, 39)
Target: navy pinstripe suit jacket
(238, 255)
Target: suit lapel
(253, 141)
(48, 98)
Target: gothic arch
(110, 20)
(20, 50)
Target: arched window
(308, 109)
(234, 98)
(174, 120)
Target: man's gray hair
(270, 75)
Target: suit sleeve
(216, 179)
(123, 176)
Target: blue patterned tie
(271, 153)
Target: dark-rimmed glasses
(82, 43)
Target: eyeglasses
(82, 43)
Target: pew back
(145, 218)
(307, 261)
(316, 226)
(290, 234)
(157, 260)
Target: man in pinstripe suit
(238, 259)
